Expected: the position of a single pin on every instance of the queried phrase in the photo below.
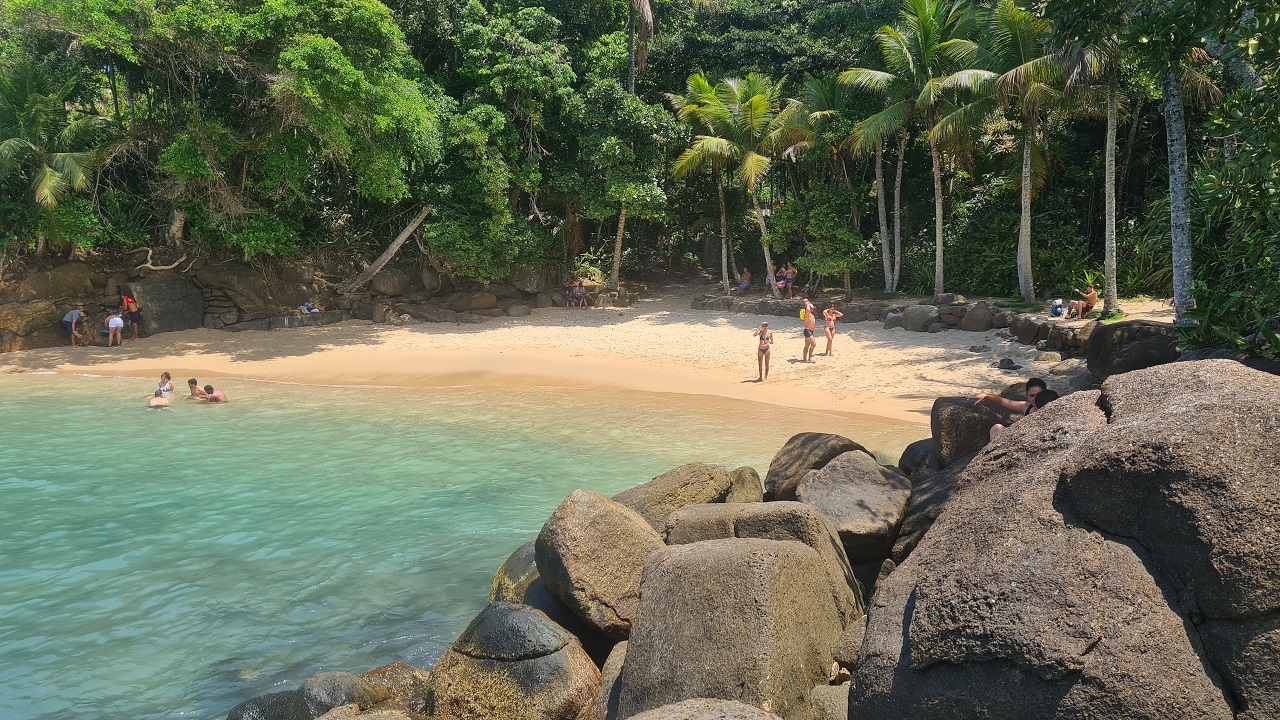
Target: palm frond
(963, 122)
(48, 186)
(881, 125)
(753, 167)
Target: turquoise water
(172, 563)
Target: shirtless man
(158, 400)
(830, 315)
(1078, 308)
(197, 392)
(130, 308)
(213, 396)
(762, 351)
(810, 329)
(745, 285)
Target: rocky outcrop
(1130, 345)
(930, 491)
(515, 575)
(830, 702)
(473, 301)
(66, 281)
(704, 709)
(691, 484)
(287, 705)
(782, 520)
(402, 682)
(605, 706)
(329, 690)
(512, 663)
(256, 293)
(590, 554)
(917, 455)
(919, 318)
(741, 619)
(960, 426)
(168, 303)
(1010, 609)
(396, 280)
(802, 453)
(863, 500)
(978, 319)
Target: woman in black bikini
(830, 315)
(762, 352)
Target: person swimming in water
(158, 400)
(213, 396)
(830, 315)
(762, 351)
(166, 383)
(197, 392)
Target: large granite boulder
(1129, 345)
(1187, 467)
(864, 500)
(512, 663)
(256, 293)
(960, 426)
(1009, 608)
(168, 303)
(704, 709)
(590, 554)
(830, 702)
(68, 280)
(930, 491)
(433, 282)
(329, 690)
(691, 484)
(515, 575)
(287, 705)
(403, 682)
(803, 452)
(473, 301)
(741, 619)
(25, 318)
(536, 280)
(396, 280)
(918, 454)
(605, 706)
(781, 520)
(918, 318)
(978, 319)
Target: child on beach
(762, 351)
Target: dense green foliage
(272, 127)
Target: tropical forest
(884, 147)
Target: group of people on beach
(574, 295)
(809, 315)
(75, 322)
(786, 281)
(164, 392)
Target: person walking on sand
(830, 315)
(115, 330)
(762, 351)
(810, 329)
(71, 323)
(130, 308)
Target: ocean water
(172, 563)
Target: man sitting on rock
(1034, 387)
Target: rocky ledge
(1112, 556)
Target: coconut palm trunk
(617, 249)
(631, 48)
(724, 235)
(1111, 300)
(1179, 212)
(764, 243)
(1026, 283)
(937, 216)
(885, 254)
(897, 213)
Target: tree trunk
(1179, 213)
(885, 254)
(764, 243)
(724, 235)
(574, 229)
(897, 213)
(631, 47)
(177, 221)
(115, 95)
(937, 218)
(1026, 284)
(1111, 300)
(387, 254)
(42, 245)
(1135, 118)
(617, 250)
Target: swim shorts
(808, 333)
(135, 317)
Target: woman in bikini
(762, 351)
(830, 315)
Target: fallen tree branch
(387, 254)
(149, 266)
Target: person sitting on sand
(579, 298)
(745, 285)
(810, 330)
(566, 293)
(71, 323)
(762, 351)
(1078, 308)
(213, 396)
(158, 400)
(166, 383)
(830, 315)
(1034, 387)
(115, 330)
(197, 392)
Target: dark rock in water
(691, 484)
(704, 709)
(396, 280)
(930, 491)
(917, 455)
(168, 303)
(605, 706)
(1129, 345)
(327, 691)
(782, 520)
(473, 301)
(513, 662)
(960, 426)
(830, 702)
(403, 682)
(802, 453)
(590, 553)
(740, 619)
(1010, 609)
(387, 710)
(287, 705)
(863, 500)
(514, 576)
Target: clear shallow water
(159, 564)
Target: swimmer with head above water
(213, 396)
(158, 400)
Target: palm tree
(640, 30)
(931, 43)
(49, 149)
(700, 93)
(743, 124)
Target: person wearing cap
(762, 353)
(71, 323)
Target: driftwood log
(364, 277)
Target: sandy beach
(659, 345)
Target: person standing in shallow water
(810, 330)
(830, 315)
(762, 351)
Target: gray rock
(68, 280)
(930, 490)
(1001, 318)
(1049, 357)
(863, 500)
(515, 575)
(917, 455)
(781, 520)
(518, 311)
(978, 319)
(893, 320)
(403, 682)
(513, 662)
(1129, 345)
(741, 619)
(830, 702)
(1008, 609)
(933, 328)
(605, 706)
(1006, 364)
(473, 301)
(327, 691)
(692, 484)
(287, 705)
(1025, 326)
(847, 648)
(918, 318)
(395, 280)
(960, 426)
(427, 313)
(979, 348)
(590, 554)
(470, 318)
(802, 453)
(302, 272)
(169, 303)
(704, 709)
